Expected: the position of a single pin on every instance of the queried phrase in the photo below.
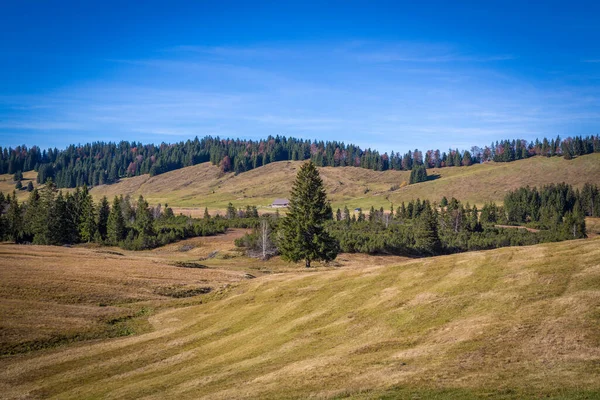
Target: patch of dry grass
(507, 323)
(7, 185)
(52, 295)
(592, 225)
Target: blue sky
(385, 75)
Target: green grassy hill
(204, 186)
(508, 323)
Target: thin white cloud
(387, 57)
(263, 52)
(42, 126)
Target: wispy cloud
(264, 52)
(386, 57)
(415, 52)
(42, 126)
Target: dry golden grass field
(193, 188)
(506, 323)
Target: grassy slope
(507, 323)
(203, 186)
(52, 295)
(83, 293)
(7, 185)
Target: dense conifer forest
(104, 163)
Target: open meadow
(185, 321)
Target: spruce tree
(14, 220)
(60, 222)
(418, 174)
(32, 208)
(45, 218)
(103, 213)
(427, 240)
(144, 221)
(115, 228)
(87, 223)
(206, 214)
(444, 202)
(304, 235)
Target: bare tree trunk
(265, 247)
(265, 238)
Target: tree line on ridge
(100, 163)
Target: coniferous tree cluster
(511, 150)
(50, 217)
(553, 207)
(422, 228)
(100, 163)
(418, 174)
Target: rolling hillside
(204, 186)
(507, 323)
(191, 189)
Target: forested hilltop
(100, 163)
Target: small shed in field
(280, 203)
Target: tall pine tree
(427, 240)
(103, 213)
(87, 223)
(14, 220)
(115, 227)
(304, 234)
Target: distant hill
(98, 163)
(204, 185)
